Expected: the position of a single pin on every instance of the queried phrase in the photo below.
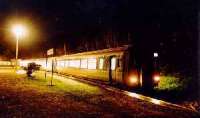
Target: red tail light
(156, 78)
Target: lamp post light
(155, 54)
(19, 31)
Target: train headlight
(156, 78)
(133, 79)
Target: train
(112, 66)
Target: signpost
(50, 52)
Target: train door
(112, 68)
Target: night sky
(168, 27)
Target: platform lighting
(19, 31)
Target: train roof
(103, 51)
(96, 52)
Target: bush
(172, 83)
(33, 66)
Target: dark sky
(151, 22)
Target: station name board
(50, 51)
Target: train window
(23, 63)
(49, 64)
(84, 63)
(42, 63)
(66, 63)
(74, 63)
(58, 64)
(62, 64)
(92, 63)
(113, 63)
(101, 62)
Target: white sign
(50, 51)
(155, 54)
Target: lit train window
(92, 63)
(42, 63)
(66, 63)
(61, 63)
(74, 63)
(101, 61)
(70, 63)
(24, 63)
(113, 63)
(49, 64)
(84, 63)
(21, 63)
(58, 63)
(5, 63)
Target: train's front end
(142, 70)
(132, 76)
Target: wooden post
(46, 67)
(198, 59)
(52, 72)
(141, 77)
(50, 52)
(65, 49)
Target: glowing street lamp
(19, 31)
(155, 54)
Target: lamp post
(19, 31)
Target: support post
(52, 72)
(198, 55)
(46, 67)
(16, 58)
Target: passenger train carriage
(114, 65)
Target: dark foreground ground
(33, 97)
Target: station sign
(50, 52)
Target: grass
(33, 97)
(62, 84)
(170, 83)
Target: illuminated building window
(92, 63)
(84, 63)
(101, 61)
(74, 63)
(113, 63)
